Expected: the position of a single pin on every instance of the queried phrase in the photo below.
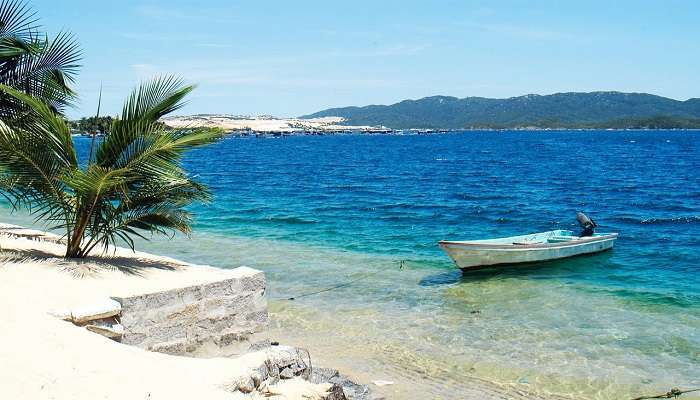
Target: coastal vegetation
(595, 110)
(132, 183)
(92, 124)
(103, 125)
(210, 129)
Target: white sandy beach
(45, 357)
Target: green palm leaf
(32, 62)
(136, 187)
(16, 19)
(36, 151)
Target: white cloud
(214, 75)
(386, 51)
(171, 14)
(214, 45)
(144, 71)
(526, 32)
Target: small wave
(292, 220)
(346, 186)
(398, 217)
(403, 207)
(272, 219)
(652, 298)
(388, 207)
(674, 220)
(255, 210)
(232, 218)
(657, 221)
(482, 196)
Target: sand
(44, 357)
(261, 123)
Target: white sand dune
(260, 124)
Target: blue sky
(288, 58)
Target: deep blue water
(399, 195)
(317, 211)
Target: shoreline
(359, 335)
(66, 284)
(309, 325)
(46, 299)
(268, 126)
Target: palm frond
(12, 47)
(138, 127)
(35, 153)
(137, 185)
(17, 19)
(32, 62)
(48, 73)
(155, 99)
(43, 123)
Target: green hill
(565, 110)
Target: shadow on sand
(93, 264)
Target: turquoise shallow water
(314, 212)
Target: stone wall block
(181, 320)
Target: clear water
(314, 212)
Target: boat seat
(559, 239)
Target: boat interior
(557, 236)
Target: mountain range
(559, 110)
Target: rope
(371, 274)
(672, 394)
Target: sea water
(362, 215)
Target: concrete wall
(222, 317)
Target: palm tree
(135, 184)
(32, 62)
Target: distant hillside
(566, 110)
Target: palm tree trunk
(74, 249)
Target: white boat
(536, 247)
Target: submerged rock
(247, 385)
(287, 373)
(336, 392)
(321, 375)
(351, 390)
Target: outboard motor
(586, 223)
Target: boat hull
(469, 255)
